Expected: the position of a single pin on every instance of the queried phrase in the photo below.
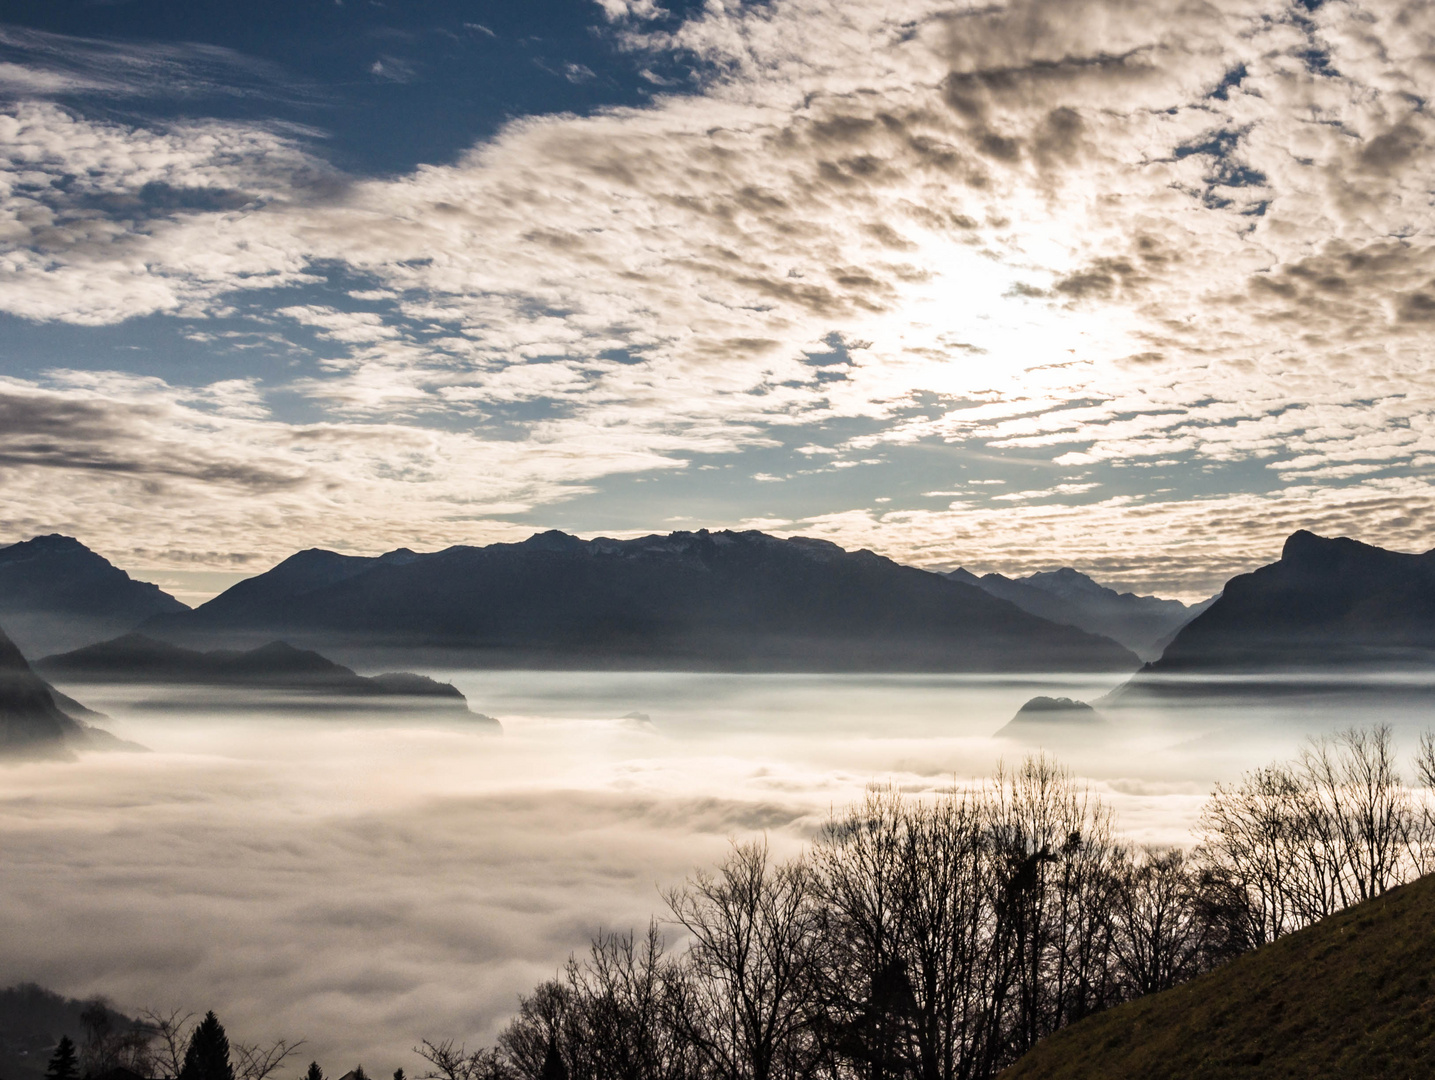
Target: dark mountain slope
(275, 666)
(1072, 598)
(32, 1020)
(1352, 996)
(297, 575)
(726, 601)
(31, 723)
(55, 594)
(1326, 604)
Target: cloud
(365, 885)
(105, 457)
(1102, 232)
(36, 63)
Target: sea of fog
(363, 883)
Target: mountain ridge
(276, 666)
(1069, 597)
(724, 600)
(57, 594)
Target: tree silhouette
(65, 1064)
(314, 1073)
(208, 1055)
(553, 1066)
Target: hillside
(32, 1019)
(704, 601)
(1352, 996)
(1327, 603)
(57, 594)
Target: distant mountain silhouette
(32, 724)
(57, 594)
(1044, 717)
(1066, 596)
(705, 601)
(276, 666)
(1327, 605)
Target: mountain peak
(52, 543)
(1304, 546)
(1068, 580)
(553, 540)
(55, 593)
(1327, 602)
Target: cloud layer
(365, 885)
(1181, 254)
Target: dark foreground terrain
(1351, 996)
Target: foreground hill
(1352, 996)
(57, 594)
(1327, 604)
(706, 601)
(299, 674)
(32, 723)
(1142, 623)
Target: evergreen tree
(314, 1073)
(65, 1064)
(553, 1065)
(208, 1055)
(398, 1074)
(359, 1073)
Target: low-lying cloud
(364, 884)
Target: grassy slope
(1349, 997)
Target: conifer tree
(314, 1073)
(208, 1055)
(398, 1074)
(65, 1064)
(554, 1067)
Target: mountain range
(57, 594)
(1144, 624)
(688, 600)
(749, 601)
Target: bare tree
(1358, 790)
(1160, 939)
(253, 1061)
(747, 999)
(627, 990)
(171, 1034)
(865, 864)
(111, 1042)
(1054, 844)
(1248, 843)
(547, 1023)
(449, 1062)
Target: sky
(1133, 286)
